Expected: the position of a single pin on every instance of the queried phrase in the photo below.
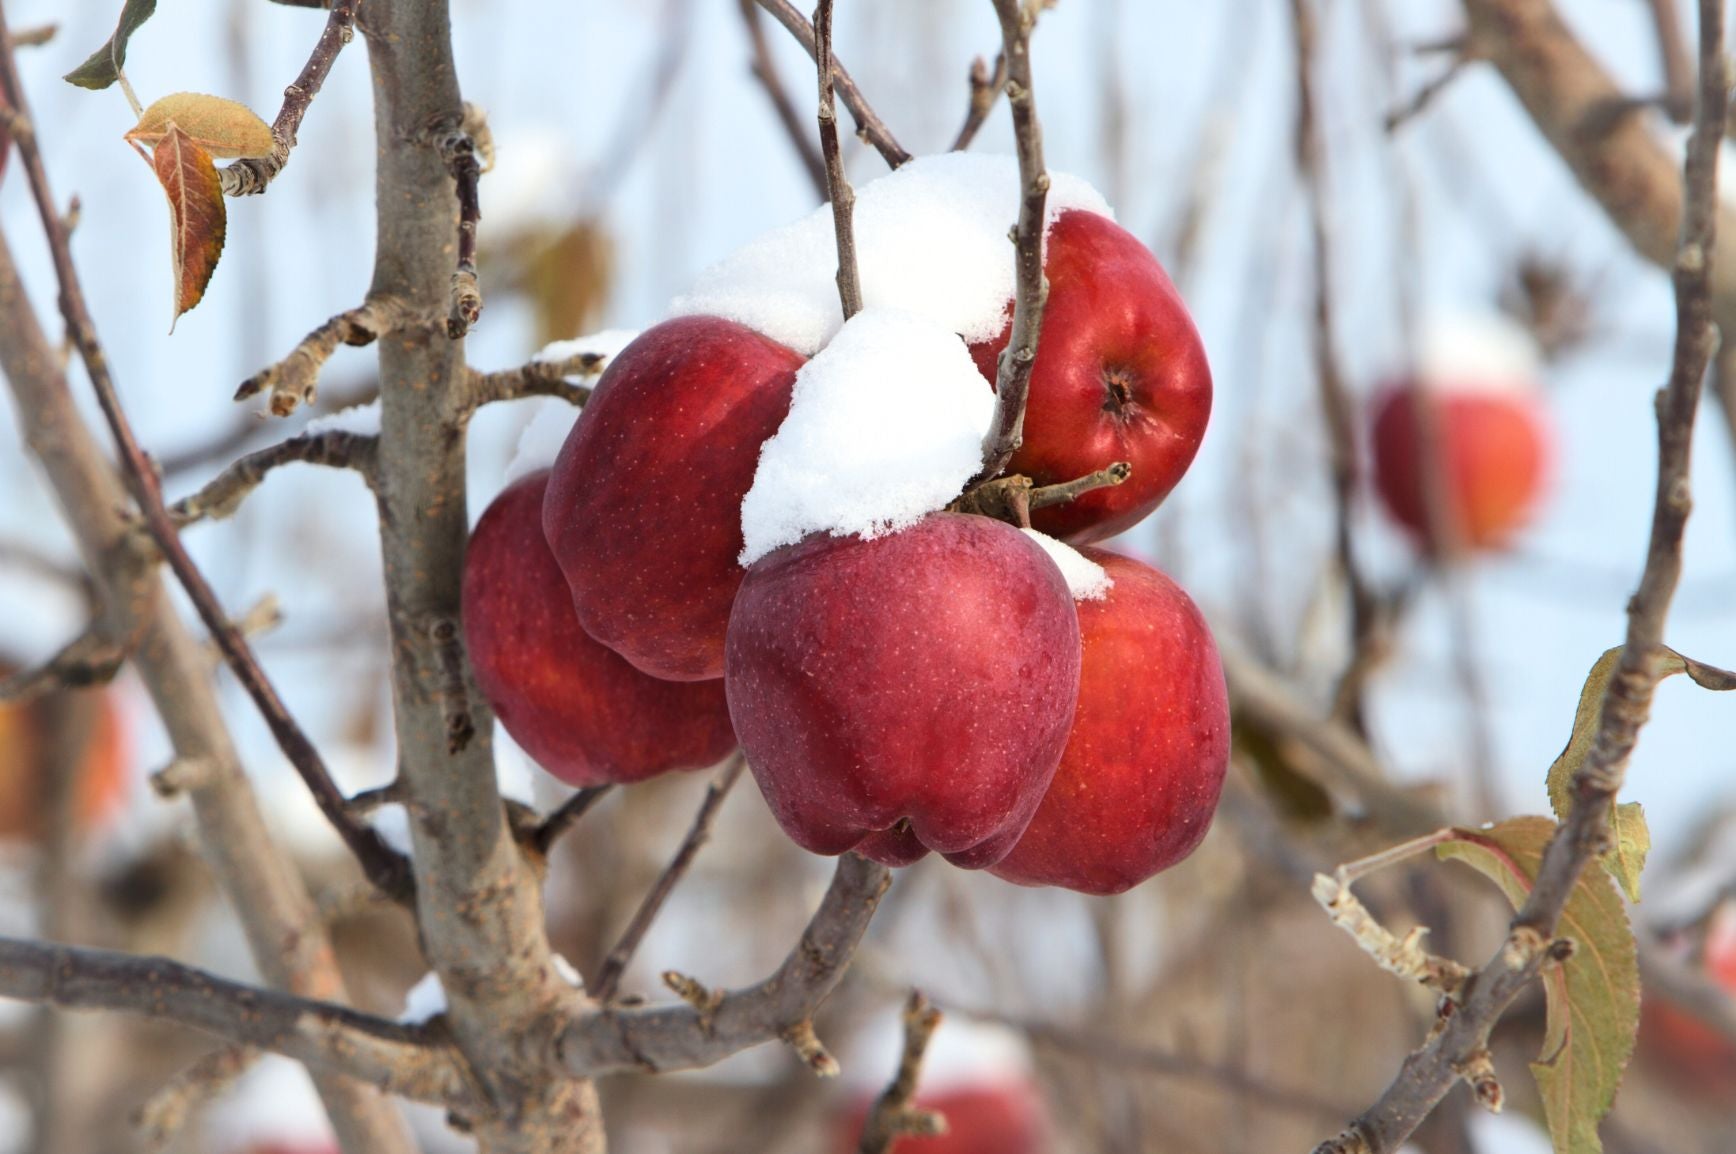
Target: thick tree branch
(1428, 1073)
(249, 177)
(615, 964)
(765, 71)
(868, 124)
(224, 493)
(838, 189)
(399, 1059)
(664, 1038)
(1031, 295)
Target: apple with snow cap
(1475, 393)
(643, 505)
(1120, 375)
(576, 706)
(908, 692)
(1150, 741)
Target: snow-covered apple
(1120, 375)
(576, 706)
(643, 506)
(1474, 392)
(907, 692)
(981, 1118)
(1150, 742)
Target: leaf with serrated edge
(1592, 1000)
(197, 217)
(221, 127)
(103, 66)
(1628, 822)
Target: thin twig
(615, 964)
(379, 861)
(1335, 405)
(838, 189)
(1428, 1073)
(458, 153)
(895, 1114)
(567, 816)
(224, 493)
(1031, 295)
(869, 126)
(250, 177)
(294, 380)
(536, 379)
(765, 71)
(985, 88)
(1426, 95)
(397, 1058)
(1673, 58)
(91, 658)
(166, 1113)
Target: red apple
(644, 506)
(1700, 1060)
(575, 705)
(1120, 375)
(906, 693)
(1150, 742)
(993, 1118)
(25, 733)
(1493, 450)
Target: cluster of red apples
(936, 688)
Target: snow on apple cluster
(1086, 579)
(540, 442)
(1477, 352)
(886, 424)
(931, 239)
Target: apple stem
(1105, 478)
(1011, 499)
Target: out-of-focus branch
(985, 88)
(664, 1038)
(223, 495)
(166, 1113)
(895, 1115)
(615, 964)
(1031, 292)
(1336, 410)
(249, 177)
(838, 189)
(399, 1059)
(1677, 68)
(869, 126)
(91, 658)
(1428, 1073)
(765, 71)
(544, 836)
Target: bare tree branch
(1031, 295)
(615, 964)
(544, 836)
(664, 1038)
(1428, 1073)
(985, 88)
(91, 658)
(536, 379)
(765, 71)
(250, 177)
(294, 380)
(1678, 69)
(167, 1112)
(224, 493)
(895, 1115)
(458, 152)
(838, 189)
(868, 125)
(399, 1059)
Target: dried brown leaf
(221, 127)
(198, 221)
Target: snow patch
(424, 1001)
(886, 424)
(1477, 352)
(392, 823)
(931, 238)
(604, 345)
(273, 1104)
(1086, 579)
(362, 419)
(566, 971)
(546, 431)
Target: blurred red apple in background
(1120, 375)
(1700, 1060)
(1145, 759)
(643, 510)
(576, 706)
(992, 1118)
(905, 693)
(26, 757)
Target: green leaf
(1632, 839)
(104, 65)
(1592, 999)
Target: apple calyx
(1011, 498)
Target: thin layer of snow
(514, 772)
(1086, 579)
(540, 442)
(363, 418)
(393, 826)
(886, 424)
(424, 1001)
(566, 971)
(1478, 352)
(931, 238)
(605, 345)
